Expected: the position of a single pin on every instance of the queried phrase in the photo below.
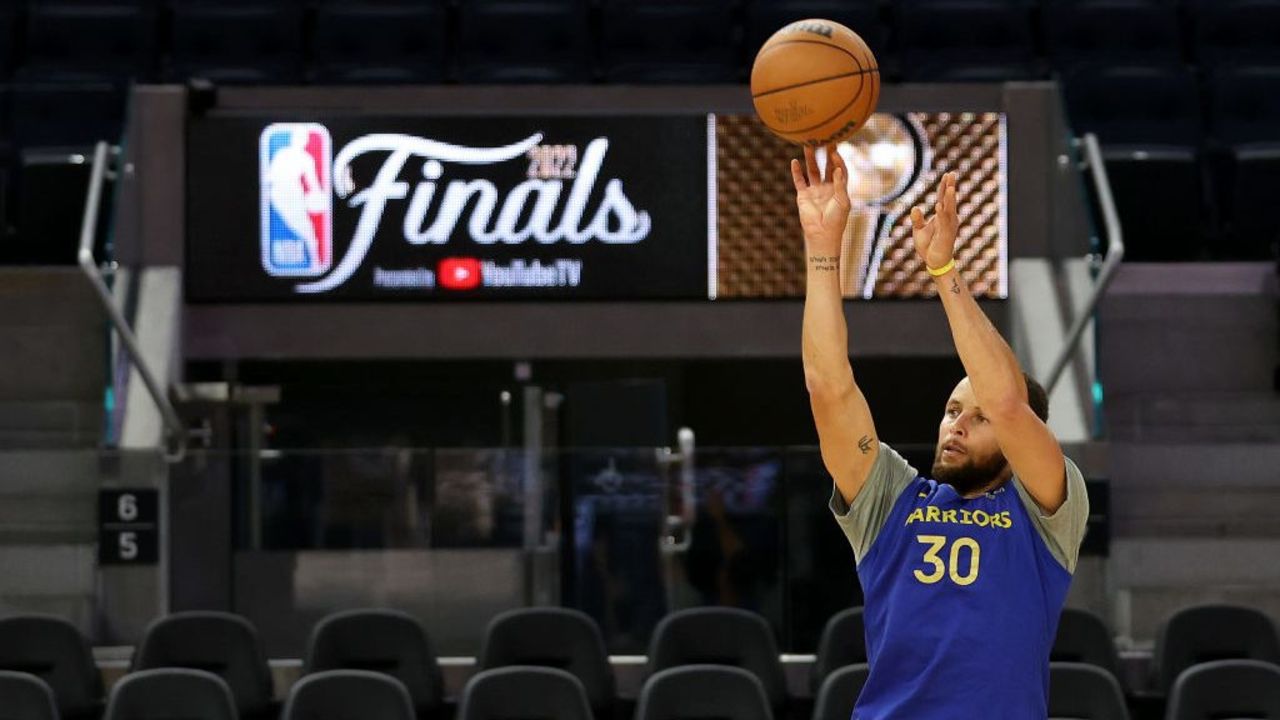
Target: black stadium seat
(539, 41)
(170, 693)
(348, 694)
(1213, 632)
(843, 642)
(966, 40)
(1235, 31)
(525, 693)
(560, 638)
(1111, 31)
(694, 692)
(1226, 689)
(839, 692)
(1148, 121)
(65, 114)
(220, 643)
(1086, 692)
(235, 42)
(1244, 122)
(382, 42)
(53, 650)
(385, 641)
(1084, 638)
(25, 697)
(669, 41)
(72, 40)
(720, 636)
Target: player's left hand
(936, 239)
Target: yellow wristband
(951, 264)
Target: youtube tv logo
(459, 273)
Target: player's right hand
(823, 202)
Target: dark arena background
(513, 377)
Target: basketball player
(964, 574)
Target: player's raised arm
(845, 429)
(994, 372)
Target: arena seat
(524, 693)
(843, 642)
(382, 42)
(966, 41)
(1084, 692)
(53, 650)
(25, 697)
(1084, 638)
(495, 44)
(220, 643)
(235, 42)
(693, 692)
(83, 41)
(1148, 121)
(669, 41)
(560, 638)
(1205, 633)
(1226, 689)
(1111, 31)
(346, 694)
(169, 693)
(1244, 156)
(1235, 31)
(385, 641)
(65, 114)
(839, 692)
(720, 636)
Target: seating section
(1211, 661)
(1181, 92)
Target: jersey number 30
(941, 569)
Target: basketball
(815, 82)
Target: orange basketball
(815, 82)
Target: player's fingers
(811, 165)
(797, 175)
(917, 219)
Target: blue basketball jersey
(962, 595)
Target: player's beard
(970, 475)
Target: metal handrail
(176, 446)
(1115, 253)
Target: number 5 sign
(127, 526)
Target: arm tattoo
(865, 444)
(955, 285)
(825, 262)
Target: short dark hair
(1037, 398)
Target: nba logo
(296, 204)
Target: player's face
(968, 456)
